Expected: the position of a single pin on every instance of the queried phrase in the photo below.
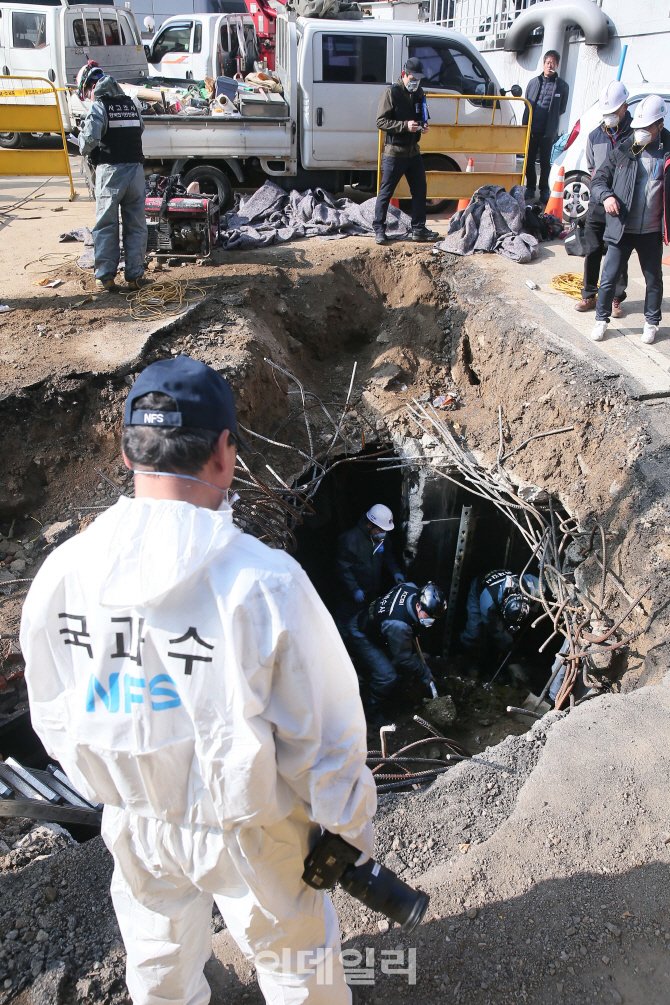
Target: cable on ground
(569, 283)
(164, 299)
(57, 259)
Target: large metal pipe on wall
(555, 16)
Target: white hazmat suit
(190, 678)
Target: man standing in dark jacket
(548, 95)
(403, 116)
(633, 185)
(615, 127)
(363, 555)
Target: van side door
(451, 69)
(171, 54)
(350, 72)
(31, 47)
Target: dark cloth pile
(493, 221)
(273, 216)
(340, 9)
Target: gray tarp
(493, 221)
(272, 216)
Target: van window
(197, 37)
(111, 31)
(94, 31)
(447, 67)
(29, 31)
(79, 32)
(177, 38)
(349, 59)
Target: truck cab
(205, 45)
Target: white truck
(321, 132)
(204, 45)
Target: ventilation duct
(555, 16)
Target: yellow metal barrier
(459, 138)
(35, 115)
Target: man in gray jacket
(111, 137)
(548, 95)
(613, 130)
(633, 186)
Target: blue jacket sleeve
(94, 128)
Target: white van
(41, 40)
(205, 45)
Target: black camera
(333, 859)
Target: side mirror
(147, 52)
(516, 91)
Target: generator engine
(178, 223)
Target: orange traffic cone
(464, 203)
(396, 203)
(555, 205)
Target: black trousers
(393, 168)
(649, 249)
(594, 229)
(542, 145)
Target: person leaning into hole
(402, 116)
(497, 610)
(383, 638)
(111, 137)
(190, 678)
(633, 184)
(612, 131)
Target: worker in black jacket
(633, 184)
(384, 639)
(403, 116)
(614, 128)
(548, 95)
(364, 554)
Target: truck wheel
(212, 181)
(10, 140)
(576, 197)
(434, 162)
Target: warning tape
(24, 91)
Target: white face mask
(412, 85)
(642, 137)
(610, 121)
(426, 622)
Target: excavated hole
(413, 334)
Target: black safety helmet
(432, 601)
(515, 610)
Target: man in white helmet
(614, 128)
(364, 555)
(190, 678)
(111, 137)
(633, 184)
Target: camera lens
(381, 890)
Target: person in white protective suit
(190, 678)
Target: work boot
(424, 235)
(380, 237)
(587, 304)
(599, 330)
(649, 333)
(617, 309)
(529, 194)
(139, 283)
(106, 285)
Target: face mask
(611, 121)
(642, 137)
(378, 538)
(426, 622)
(412, 85)
(188, 478)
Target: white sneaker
(649, 333)
(598, 331)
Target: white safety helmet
(381, 516)
(650, 110)
(612, 98)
